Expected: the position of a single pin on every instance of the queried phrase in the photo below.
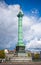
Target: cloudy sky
(31, 23)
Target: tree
(36, 56)
(2, 54)
(29, 54)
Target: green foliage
(36, 56)
(2, 54)
(29, 54)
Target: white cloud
(35, 42)
(37, 29)
(34, 12)
(28, 22)
(34, 45)
(9, 27)
(32, 32)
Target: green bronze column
(20, 45)
(20, 35)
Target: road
(25, 63)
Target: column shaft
(20, 35)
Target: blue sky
(31, 23)
(26, 5)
